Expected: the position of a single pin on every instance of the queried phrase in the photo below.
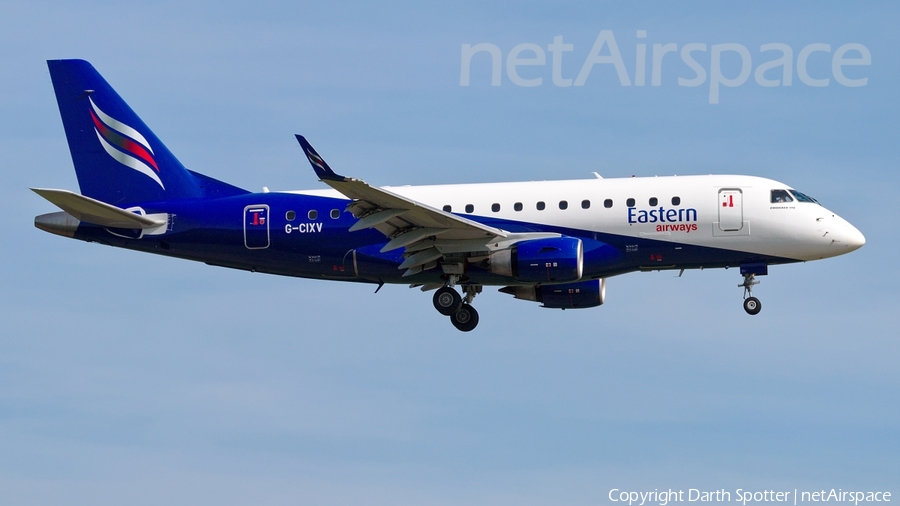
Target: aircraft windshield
(803, 197)
(781, 196)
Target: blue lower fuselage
(307, 236)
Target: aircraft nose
(854, 239)
(839, 235)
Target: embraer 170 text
(552, 242)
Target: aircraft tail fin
(118, 160)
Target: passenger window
(495, 207)
(676, 201)
(335, 214)
(448, 209)
(629, 202)
(585, 204)
(781, 196)
(470, 208)
(290, 215)
(607, 203)
(540, 206)
(653, 201)
(517, 206)
(563, 205)
(312, 214)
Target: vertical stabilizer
(117, 159)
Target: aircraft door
(731, 210)
(256, 227)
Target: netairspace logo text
(774, 63)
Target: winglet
(318, 164)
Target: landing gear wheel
(752, 305)
(447, 301)
(465, 319)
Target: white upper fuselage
(736, 213)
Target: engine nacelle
(541, 260)
(567, 296)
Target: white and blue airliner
(551, 242)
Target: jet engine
(582, 294)
(556, 259)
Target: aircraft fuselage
(693, 222)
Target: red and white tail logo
(124, 144)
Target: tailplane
(118, 160)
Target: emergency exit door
(256, 227)
(731, 210)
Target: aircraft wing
(428, 234)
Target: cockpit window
(781, 196)
(801, 197)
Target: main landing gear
(751, 304)
(448, 302)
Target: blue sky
(129, 378)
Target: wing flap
(412, 236)
(376, 218)
(421, 258)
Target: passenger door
(731, 210)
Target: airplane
(551, 242)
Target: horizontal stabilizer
(93, 211)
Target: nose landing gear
(448, 302)
(752, 305)
(750, 270)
